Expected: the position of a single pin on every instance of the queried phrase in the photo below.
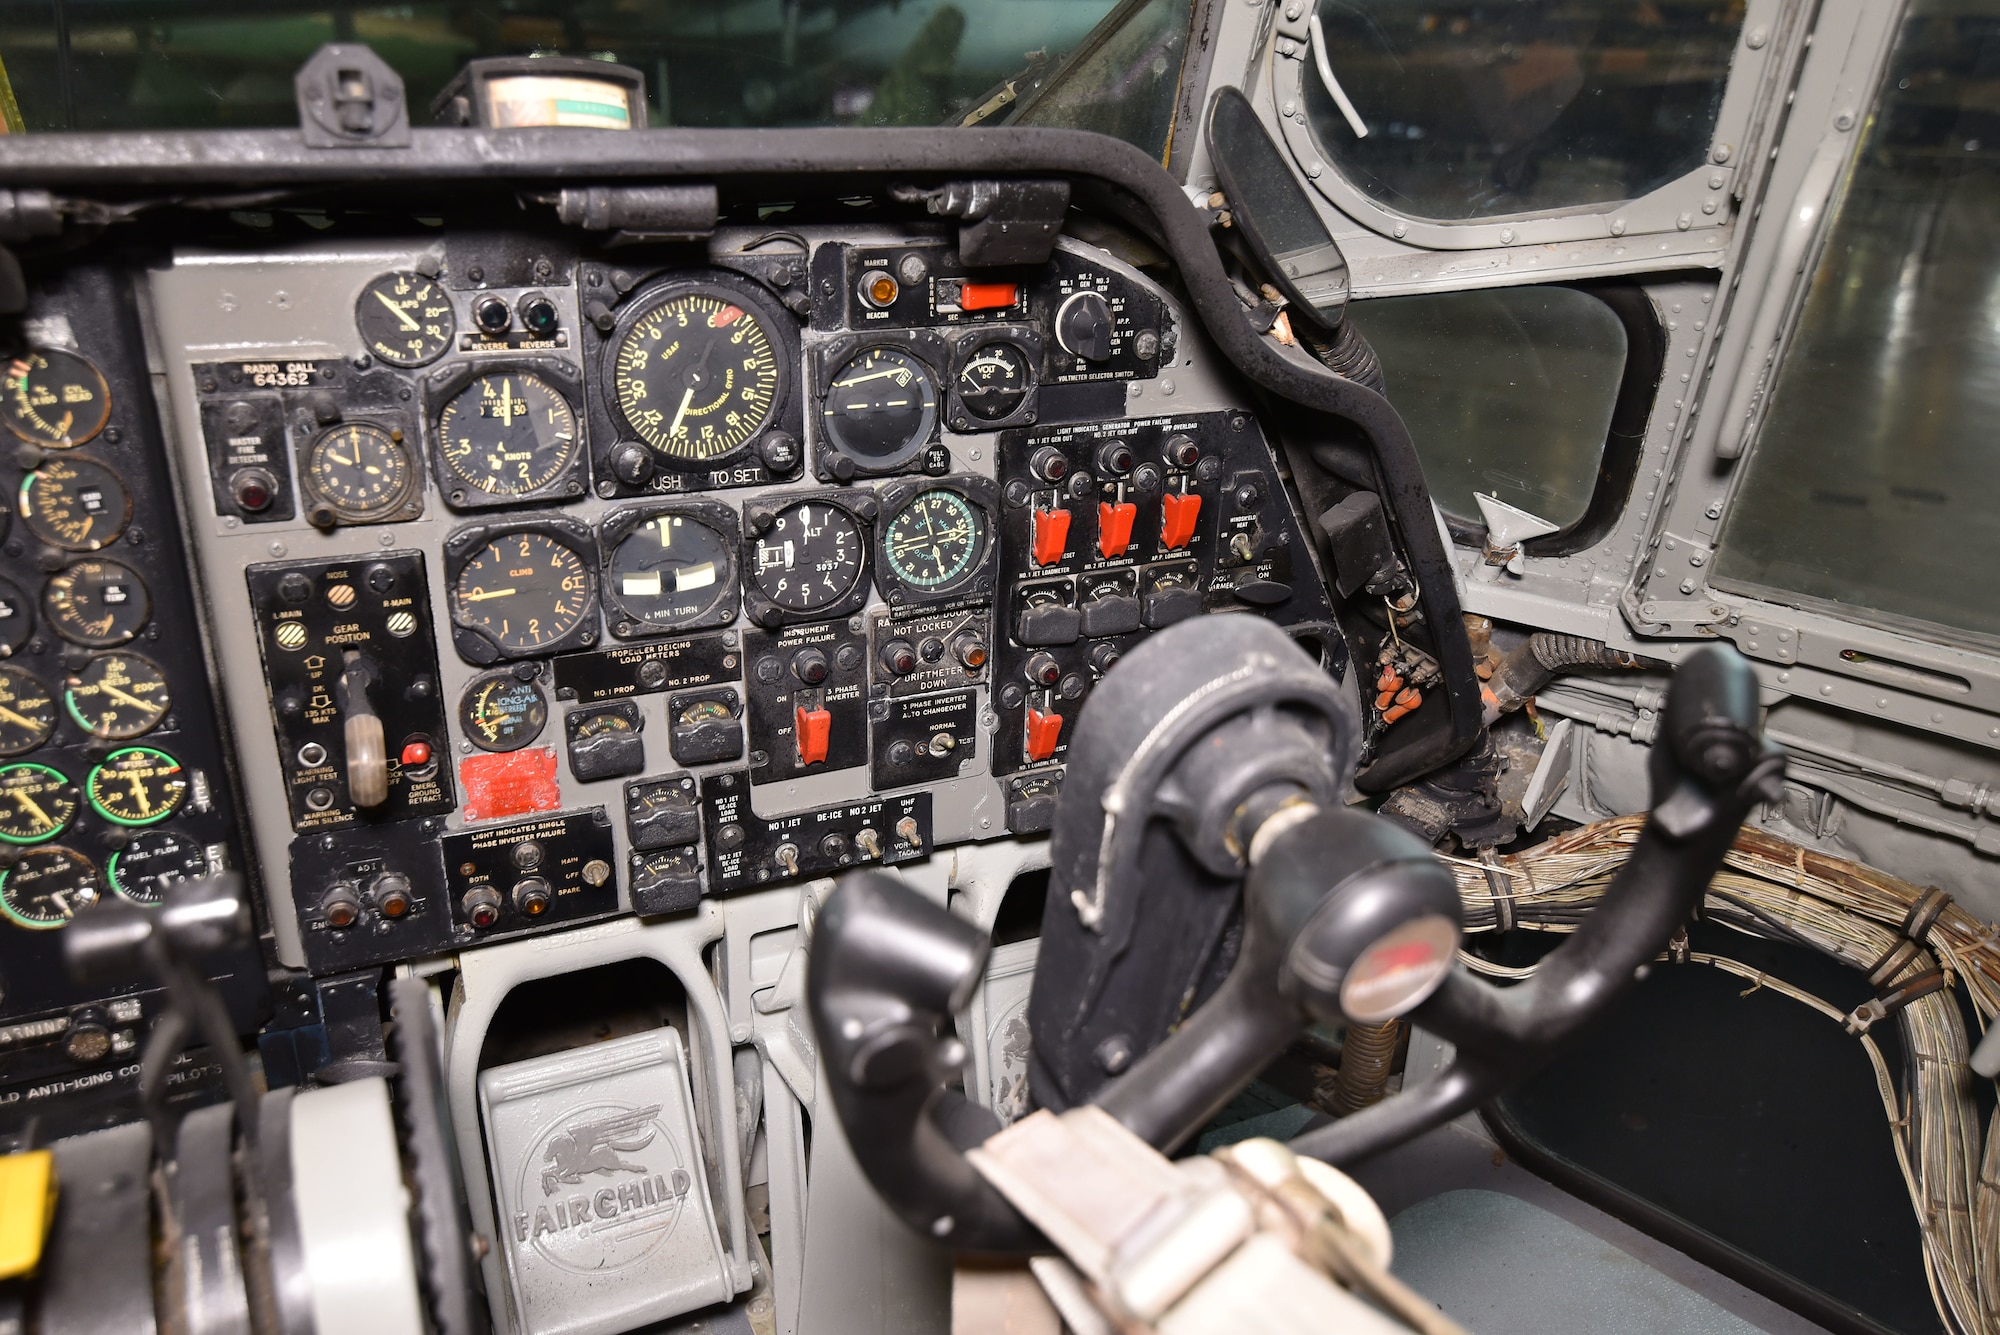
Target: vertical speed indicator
(696, 375)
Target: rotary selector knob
(1083, 326)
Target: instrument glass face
(696, 376)
(37, 802)
(509, 433)
(405, 319)
(810, 558)
(48, 887)
(936, 540)
(670, 570)
(500, 712)
(155, 859)
(995, 381)
(138, 785)
(75, 503)
(524, 591)
(881, 405)
(27, 711)
(118, 696)
(361, 471)
(96, 603)
(54, 398)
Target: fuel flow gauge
(48, 887)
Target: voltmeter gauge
(360, 472)
(37, 802)
(508, 433)
(137, 785)
(500, 712)
(118, 696)
(881, 406)
(934, 541)
(671, 570)
(96, 603)
(27, 711)
(54, 398)
(155, 859)
(75, 503)
(994, 381)
(525, 592)
(810, 559)
(696, 375)
(48, 887)
(405, 318)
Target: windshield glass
(143, 64)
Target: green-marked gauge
(36, 802)
(118, 696)
(696, 376)
(500, 712)
(96, 603)
(55, 399)
(48, 887)
(405, 318)
(75, 503)
(27, 711)
(935, 540)
(138, 785)
(143, 869)
(508, 434)
(881, 406)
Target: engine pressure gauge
(27, 711)
(994, 381)
(670, 569)
(118, 696)
(360, 472)
(96, 603)
(524, 591)
(405, 318)
(55, 399)
(155, 859)
(696, 375)
(48, 887)
(811, 558)
(500, 712)
(37, 802)
(507, 434)
(881, 407)
(75, 503)
(137, 785)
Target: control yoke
(1200, 745)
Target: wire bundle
(1776, 890)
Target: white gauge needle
(401, 314)
(681, 412)
(864, 379)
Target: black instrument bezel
(861, 506)
(445, 384)
(622, 523)
(473, 644)
(976, 585)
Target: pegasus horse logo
(593, 1147)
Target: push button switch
(812, 728)
(1051, 536)
(1114, 527)
(1177, 519)
(1044, 730)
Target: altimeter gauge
(810, 560)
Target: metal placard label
(600, 1188)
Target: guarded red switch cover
(811, 728)
(1114, 527)
(987, 296)
(513, 783)
(1177, 516)
(1051, 536)
(1043, 732)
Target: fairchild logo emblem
(611, 1185)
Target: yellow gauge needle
(401, 314)
(62, 427)
(33, 808)
(481, 595)
(24, 721)
(139, 794)
(128, 699)
(337, 459)
(864, 379)
(681, 411)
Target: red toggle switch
(1051, 536)
(987, 296)
(1043, 730)
(811, 729)
(1114, 527)
(416, 755)
(1177, 516)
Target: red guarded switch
(811, 728)
(1051, 536)
(1177, 516)
(1114, 527)
(416, 754)
(1043, 731)
(988, 296)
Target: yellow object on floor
(27, 1206)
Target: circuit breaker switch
(1051, 536)
(1177, 519)
(1114, 527)
(1043, 732)
(813, 729)
(988, 296)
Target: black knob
(900, 657)
(532, 897)
(253, 490)
(632, 464)
(1102, 656)
(833, 846)
(341, 906)
(810, 666)
(89, 1035)
(1084, 327)
(1049, 464)
(1182, 452)
(295, 587)
(779, 450)
(492, 315)
(538, 315)
(391, 893)
(1115, 457)
(481, 905)
(1043, 670)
